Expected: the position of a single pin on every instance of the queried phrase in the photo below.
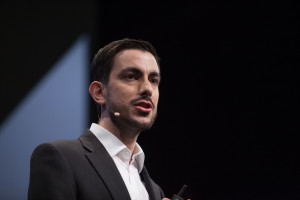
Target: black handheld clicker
(178, 196)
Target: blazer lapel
(153, 195)
(105, 166)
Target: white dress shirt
(121, 156)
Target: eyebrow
(136, 70)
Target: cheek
(123, 95)
(156, 98)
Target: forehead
(142, 60)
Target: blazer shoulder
(62, 147)
(58, 144)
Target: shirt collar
(114, 146)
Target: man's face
(133, 89)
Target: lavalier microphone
(117, 114)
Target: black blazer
(79, 169)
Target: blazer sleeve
(50, 175)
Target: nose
(146, 88)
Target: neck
(125, 135)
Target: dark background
(228, 112)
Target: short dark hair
(103, 61)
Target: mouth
(144, 106)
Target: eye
(154, 81)
(129, 76)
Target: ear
(97, 92)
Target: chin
(143, 123)
(137, 121)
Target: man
(106, 162)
